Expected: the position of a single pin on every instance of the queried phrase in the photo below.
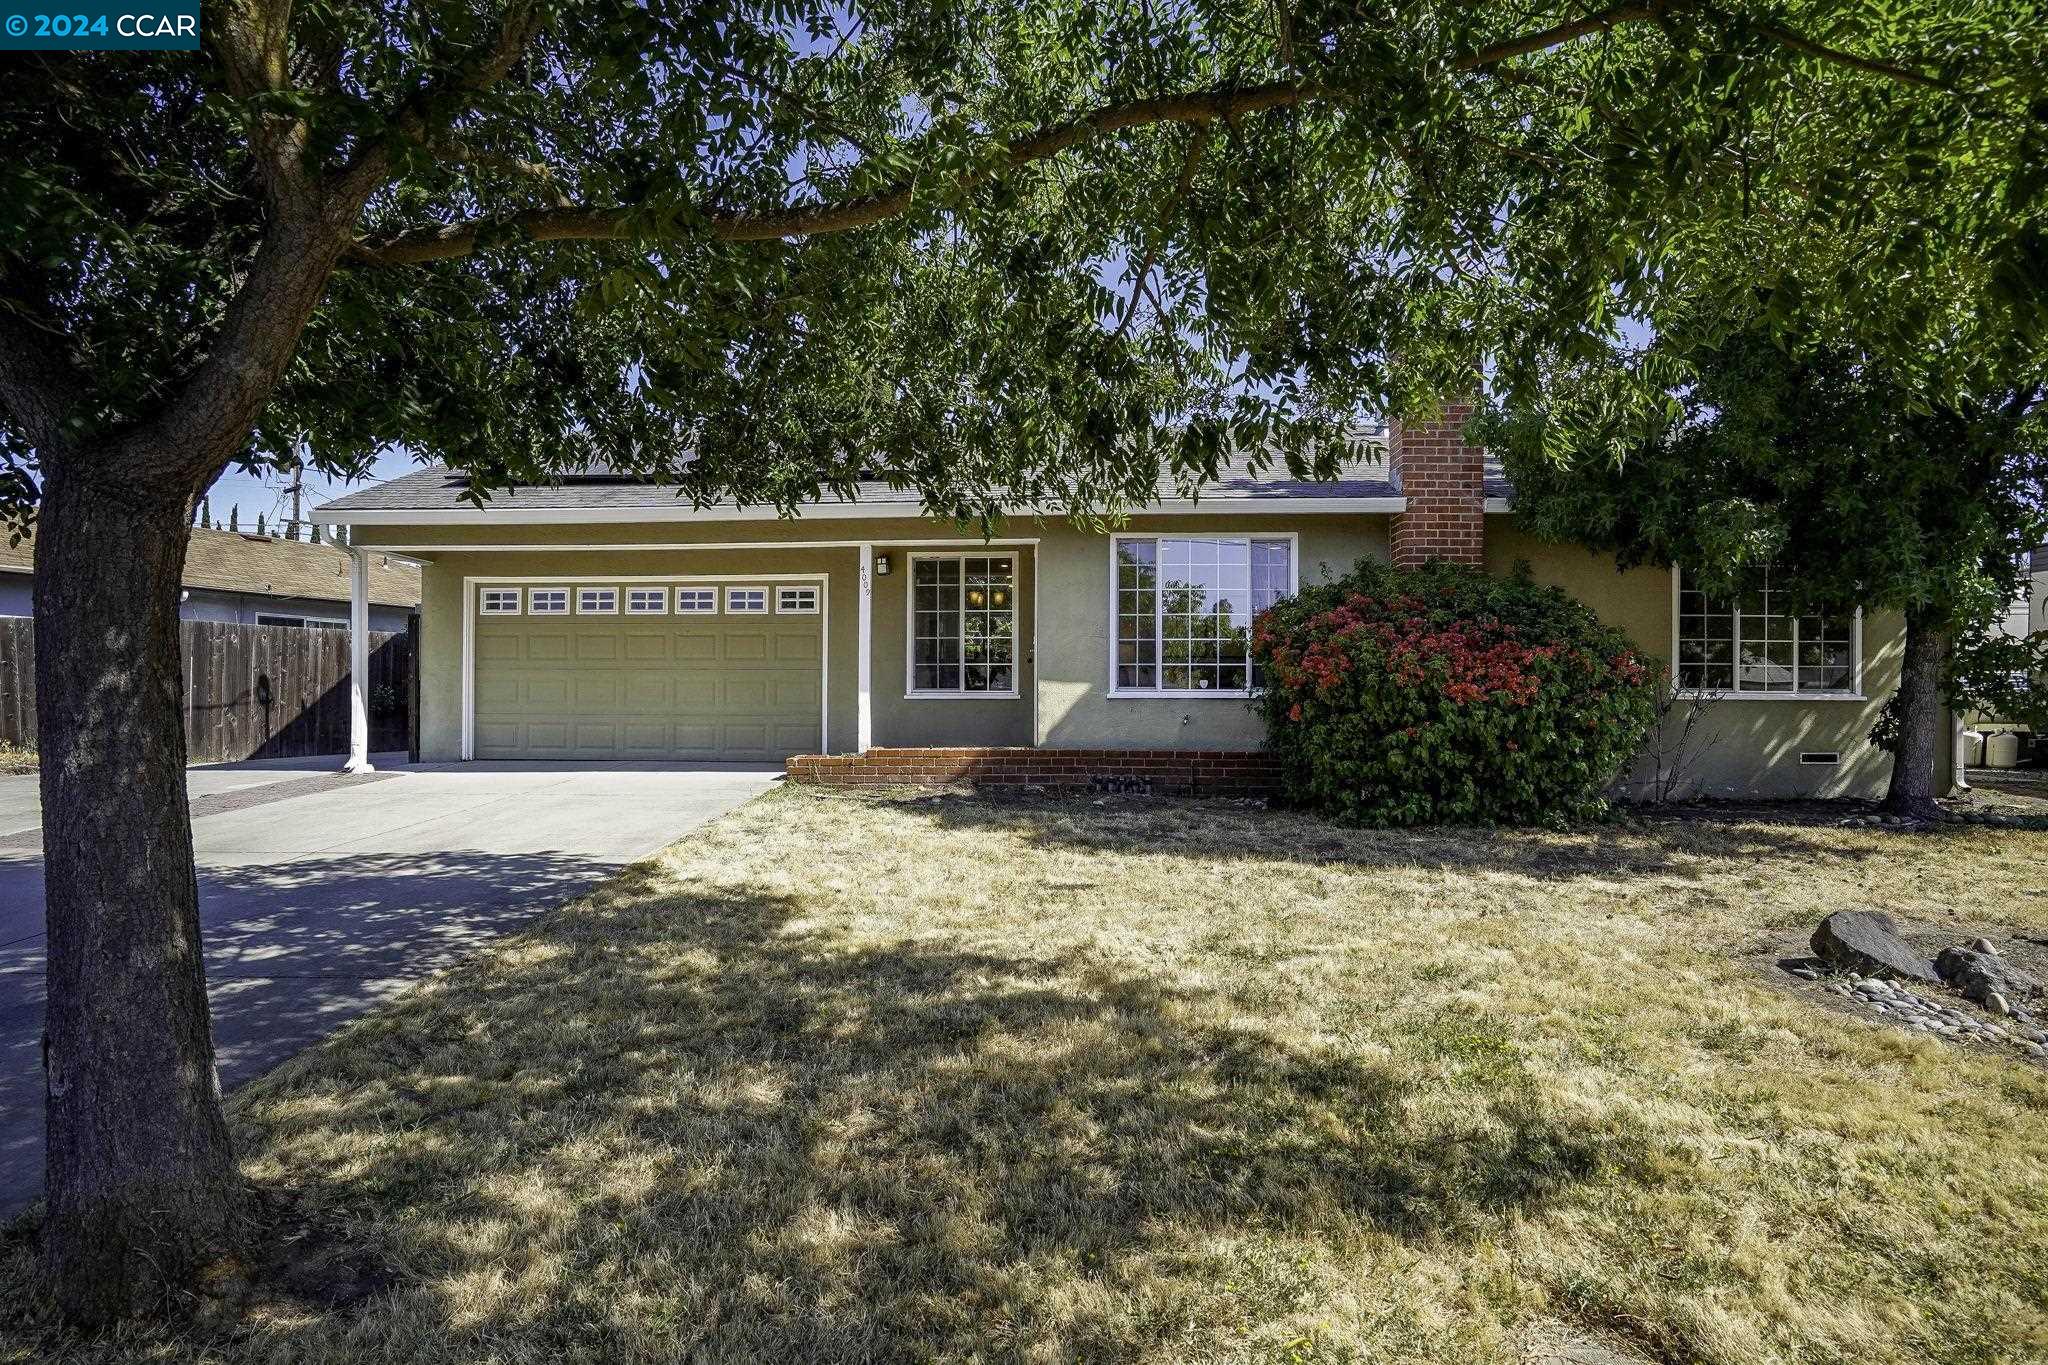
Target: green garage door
(711, 685)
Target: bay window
(1754, 645)
(963, 626)
(1184, 608)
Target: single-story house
(601, 619)
(254, 580)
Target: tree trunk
(1915, 783)
(141, 1181)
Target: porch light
(881, 566)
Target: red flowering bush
(1443, 695)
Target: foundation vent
(1825, 757)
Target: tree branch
(1869, 66)
(1189, 165)
(37, 388)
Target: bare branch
(1191, 163)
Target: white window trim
(296, 620)
(1855, 691)
(568, 600)
(612, 610)
(1117, 693)
(660, 598)
(912, 693)
(681, 610)
(733, 592)
(484, 607)
(812, 610)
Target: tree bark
(142, 1187)
(1914, 781)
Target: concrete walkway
(321, 894)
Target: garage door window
(647, 601)
(547, 601)
(597, 601)
(696, 601)
(746, 601)
(500, 602)
(796, 601)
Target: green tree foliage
(1829, 466)
(765, 247)
(1446, 695)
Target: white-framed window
(797, 601)
(597, 601)
(647, 601)
(963, 626)
(1754, 646)
(547, 601)
(498, 602)
(265, 618)
(696, 601)
(1183, 609)
(746, 601)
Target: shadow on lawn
(1253, 834)
(703, 1118)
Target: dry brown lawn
(938, 1078)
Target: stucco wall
(1736, 747)
(1075, 709)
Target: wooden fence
(250, 691)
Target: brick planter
(1155, 772)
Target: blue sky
(266, 494)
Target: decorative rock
(1984, 945)
(1996, 1003)
(1982, 975)
(1867, 941)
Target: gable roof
(435, 493)
(240, 561)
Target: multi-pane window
(1184, 609)
(499, 602)
(547, 601)
(1755, 644)
(696, 601)
(963, 624)
(598, 601)
(797, 601)
(746, 601)
(647, 601)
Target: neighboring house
(601, 619)
(256, 581)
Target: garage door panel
(707, 688)
(792, 647)
(746, 694)
(550, 647)
(649, 692)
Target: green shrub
(1443, 695)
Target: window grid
(797, 601)
(547, 601)
(746, 601)
(696, 601)
(499, 602)
(1184, 608)
(1755, 646)
(646, 601)
(597, 601)
(963, 611)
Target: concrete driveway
(322, 894)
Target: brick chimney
(1442, 477)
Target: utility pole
(297, 488)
